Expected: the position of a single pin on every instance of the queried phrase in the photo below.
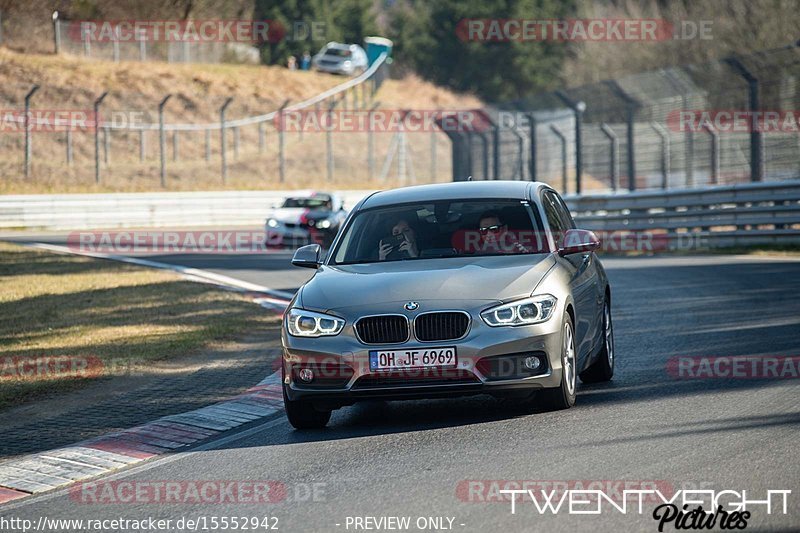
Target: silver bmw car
(446, 290)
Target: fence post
(222, 138)
(142, 45)
(142, 147)
(106, 144)
(162, 140)
(175, 145)
(578, 108)
(115, 44)
(614, 156)
(281, 145)
(665, 153)
(56, 34)
(69, 145)
(371, 145)
(756, 135)
(28, 129)
(563, 139)
(714, 154)
(532, 125)
(679, 86)
(236, 142)
(97, 103)
(208, 145)
(631, 106)
(433, 151)
(262, 141)
(329, 139)
(87, 44)
(485, 144)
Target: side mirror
(307, 256)
(578, 241)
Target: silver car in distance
(445, 290)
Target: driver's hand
(409, 248)
(384, 251)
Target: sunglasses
(494, 229)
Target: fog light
(306, 375)
(532, 363)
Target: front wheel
(303, 414)
(603, 369)
(563, 396)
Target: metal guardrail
(744, 214)
(146, 210)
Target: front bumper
(342, 362)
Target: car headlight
(272, 223)
(324, 224)
(302, 323)
(531, 310)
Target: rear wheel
(563, 396)
(303, 414)
(603, 369)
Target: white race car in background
(305, 218)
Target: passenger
(402, 244)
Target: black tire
(303, 414)
(603, 368)
(563, 396)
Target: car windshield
(442, 229)
(338, 52)
(308, 203)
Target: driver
(402, 245)
(494, 235)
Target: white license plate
(416, 358)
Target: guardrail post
(714, 154)
(162, 140)
(222, 138)
(281, 143)
(27, 119)
(563, 139)
(665, 153)
(613, 155)
(756, 135)
(532, 134)
(577, 108)
(97, 103)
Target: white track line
(187, 271)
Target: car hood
(496, 278)
(288, 214)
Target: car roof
(460, 190)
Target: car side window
(554, 218)
(563, 211)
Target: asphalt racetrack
(651, 426)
